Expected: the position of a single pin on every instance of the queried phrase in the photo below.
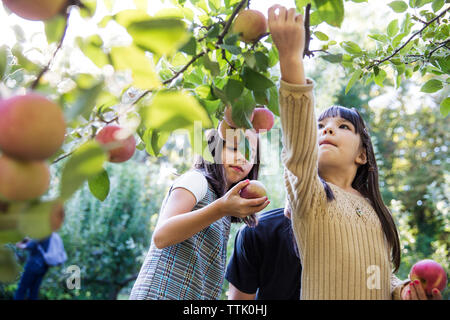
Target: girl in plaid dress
(187, 255)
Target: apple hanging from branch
(31, 127)
(23, 180)
(250, 24)
(120, 149)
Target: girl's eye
(344, 126)
(320, 126)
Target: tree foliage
(179, 68)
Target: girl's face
(234, 162)
(339, 144)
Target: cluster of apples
(262, 120)
(32, 129)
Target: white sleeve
(193, 181)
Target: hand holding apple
(428, 279)
(233, 203)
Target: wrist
(219, 208)
(292, 70)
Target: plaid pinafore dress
(190, 270)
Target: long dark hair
(366, 179)
(215, 171)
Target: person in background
(265, 264)
(34, 271)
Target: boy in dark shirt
(265, 264)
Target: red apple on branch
(430, 274)
(263, 119)
(23, 180)
(229, 119)
(31, 127)
(120, 149)
(251, 24)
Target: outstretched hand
(288, 34)
(287, 30)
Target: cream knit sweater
(342, 246)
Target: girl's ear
(361, 159)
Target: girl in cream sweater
(346, 236)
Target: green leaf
(214, 31)
(231, 39)
(242, 109)
(23, 61)
(154, 141)
(250, 59)
(99, 185)
(273, 101)
(190, 47)
(406, 24)
(301, 4)
(331, 11)
(437, 5)
(85, 162)
(431, 86)
(255, 81)
(34, 221)
(398, 6)
(379, 77)
(445, 106)
(333, 58)
(171, 110)
(321, 36)
(355, 77)
(85, 102)
(92, 48)
(379, 37)
(134, 59)
(233, 89)
(261, 96)
(392, 28)
(262, 61)
(88, 8)
(398, 38)
(231, 48)
(3, 60)
(351, 47)
(212, 66)
(54, 28)
(160, 35)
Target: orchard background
(164, 72)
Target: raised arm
(298, 120)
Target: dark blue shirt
(265, 259)
(35, 259)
